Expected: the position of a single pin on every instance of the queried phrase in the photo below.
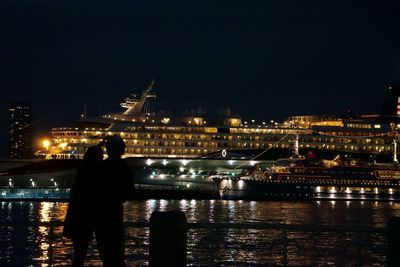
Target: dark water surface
(24, 242)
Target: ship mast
(150, 87)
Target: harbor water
(220, 233)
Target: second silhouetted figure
(115, 185)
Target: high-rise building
(20, 130)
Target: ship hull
(258, 190)
(241, 189)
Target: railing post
(168, 239)
(393, 241)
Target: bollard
(393, 241)
(167, 239)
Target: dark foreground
(220, 233)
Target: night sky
(263, 59)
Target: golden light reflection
(151, 205)
(45, 209)
(183, 204)
(44, 246)
(49, 211)
(163, 205)
(62, 211)
(211, 211)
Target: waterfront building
(149, 134)
(20, 130)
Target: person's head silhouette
(115, 146)
(93, 154)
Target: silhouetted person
(79, 221)
(115, 185)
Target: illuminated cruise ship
(149, 134)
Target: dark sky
(263, 59)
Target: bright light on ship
(46, 143)
(184, 162)
(376, 190)
(164, 162)
(362, 191)
(318, 189)
(390, 191)
(149, 162)
(333, 190)
(241, 184)
(348, 191)
(231, 162)
(162, 176)
(63, 145)
(181, 169)
(224, 183)
(165, 120)
(252, 162)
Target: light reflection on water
(23, 244)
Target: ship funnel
(138, 105)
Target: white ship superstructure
(149, 134)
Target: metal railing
(249, 244)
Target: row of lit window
(158, 151)
(324, 180)
(212, 143)
(304, 140)
(348, 140)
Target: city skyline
(263, 60)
